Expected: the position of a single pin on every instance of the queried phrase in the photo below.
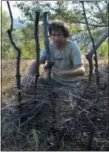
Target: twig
(95, 25)
(36, 112)
(78, 97)
(100, 11)
(18, 76)
(35, 136)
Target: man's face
(58, 38)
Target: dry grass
(9, 72)
(8, 77)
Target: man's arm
(32, 69)
(78, 70)
(30, 78)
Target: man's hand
(78, 70)
(28, 80)
(57, 72)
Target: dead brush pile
(57, 118)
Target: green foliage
(27, 31)
(103, 49)
(7, 50)
(28, 49)
(5, 21)
(28, 45)
(24, 35)
(73, 28)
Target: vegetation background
(70, 12)
(82, 126)
(23, 33)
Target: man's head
(59, 32)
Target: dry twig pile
(58, 118)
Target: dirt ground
(55, 118)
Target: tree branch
(90, 59)
(100, 12)
(18, 55)
(93, 20)
(37, 45)
(95, 25)
(103, 37)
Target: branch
(93, 14)
(37, 46)
(93, 20)
(95, 25)
(104, 36)
(46, 42)
(52, 8)
(90, 59)
(104, 3)
(18, 56)
(100, 12)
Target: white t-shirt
(64, 59)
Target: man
(64, 53)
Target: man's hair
(59, 25)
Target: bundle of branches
(58, 118)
